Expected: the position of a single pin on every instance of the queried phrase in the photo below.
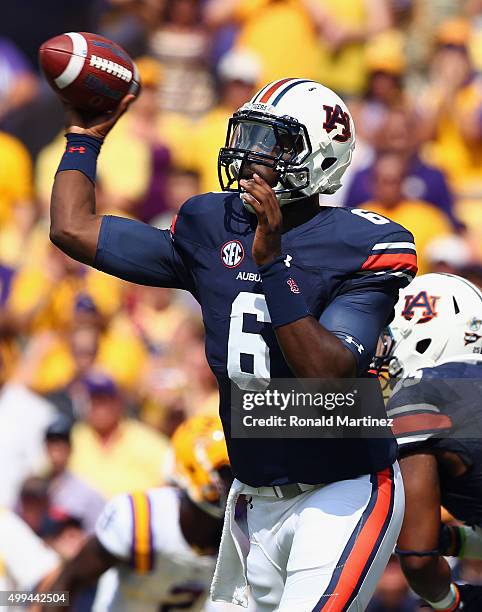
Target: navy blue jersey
(350, 265)
(440, 410)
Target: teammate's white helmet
(438, 318)
(297, 127)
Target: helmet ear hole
(328, 162)
(422, 345)
(456, 306)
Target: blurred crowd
(96, 374)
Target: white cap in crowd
(452, 250)
(239, 65)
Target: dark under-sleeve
(357, 317)
(365, 300)
(140, 253)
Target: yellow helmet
(201, 463)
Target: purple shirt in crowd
(423, 182)
(6, 275)
(12, 64)
(154, 202)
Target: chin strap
(286, 198)
(283, 198)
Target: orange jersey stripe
(420, 422)
(398, 261)
(173, 224)
(357, 559)
(142, 531)
(269, 92)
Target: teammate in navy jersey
(437, 418)
(287, 289)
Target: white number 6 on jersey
(370, 216)
(247, 343)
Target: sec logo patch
(232, 253)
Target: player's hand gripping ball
(90, 72)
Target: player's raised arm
(128, 249)
(98, 79)
(74, 224)
(96, 91)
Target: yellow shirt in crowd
(134, 459)
(282, 34)
(52, 305)
(421, 218)
(121, 354)
(15, 176)
(461, 160)
(209, 137)
(124, 167)
(15, 197)
(160, 326)
(344, 70)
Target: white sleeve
(114, 527)
(27, 558)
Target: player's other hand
(77, 122)
(267, 238)
(470, 599)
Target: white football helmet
(297, 127)
(438, 319)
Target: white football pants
(326, 549)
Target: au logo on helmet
(421, 300)
(336, 116)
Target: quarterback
(287, 289)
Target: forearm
(311, 351)
(426, 571)
(74, 224)
(310, 348)
(430, 577)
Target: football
(89, 71)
